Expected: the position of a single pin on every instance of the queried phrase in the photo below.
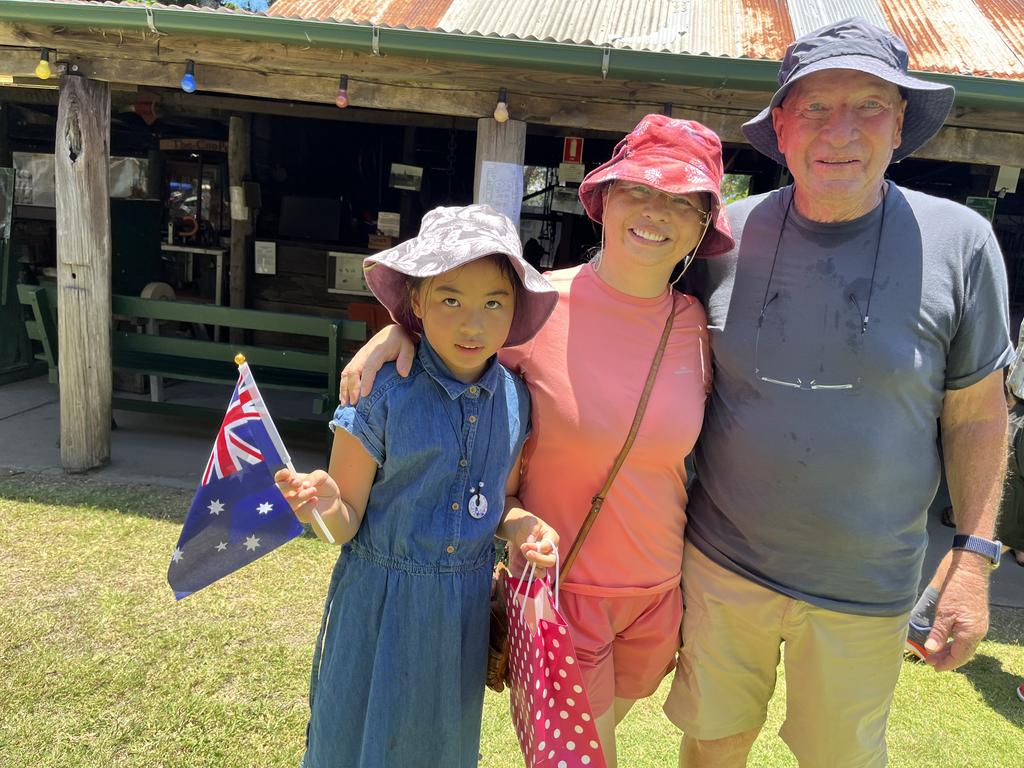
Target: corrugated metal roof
(619, 23)
(809, 16)
(983, 38)
(757, 29)
(952, 36)
(1008, 17)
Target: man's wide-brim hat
(858, 45)
(677, 157)
(450, 238)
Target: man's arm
(974, 427)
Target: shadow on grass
(986, 674)
(997, 686)
(148, 501)
(1006, 625)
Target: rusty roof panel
(809, 16)
(952, 36)
(767, 29)
(983, 38)
(423, 14)
(757, 29)
(1007, 17)
(306, 9)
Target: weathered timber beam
(273, 58)
(276, 58)
(995, 146)
(967, 145)
(606, 114)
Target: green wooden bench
(193, 359)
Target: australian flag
(238, 514)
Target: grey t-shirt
(817, 460)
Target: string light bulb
(188, 80)
(43, 70)
(341, 97)
(501, 108)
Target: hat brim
(718, 239)
(928, 104)
(535, 297)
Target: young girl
(416, 492)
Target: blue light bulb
(188, 80)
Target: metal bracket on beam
(606, 56)
(69, 68)
(375, 41)
(151, 22)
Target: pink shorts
(625, 645)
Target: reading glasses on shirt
(796, 382)
(769, 298)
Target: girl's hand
(535, 541)
(306, 492)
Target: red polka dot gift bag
(549, 704)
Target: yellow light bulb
(43, 70)
(501, 112)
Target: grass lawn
(100, 667)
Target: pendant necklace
(477, 506)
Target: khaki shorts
(841, 669)
(625, 645)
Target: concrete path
(163, 451)
(145, 448)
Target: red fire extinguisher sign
(572, 150)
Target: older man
(851, 317)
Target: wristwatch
(993, 550)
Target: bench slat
(186, 350)
(250, 319)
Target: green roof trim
(622, 64)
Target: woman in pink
(659, 203)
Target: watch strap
(982, 546)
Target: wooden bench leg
(156, 383)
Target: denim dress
(400, 661)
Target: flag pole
(272, 430)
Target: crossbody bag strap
(598, 500)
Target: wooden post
(82, 161)
(5, 143)
(155, 177)
(498, 143)
(239, 141)
(408, 199)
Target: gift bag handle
(528, 575)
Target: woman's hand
(392, 342)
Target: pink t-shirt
(586, 371)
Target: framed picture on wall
(345, 273)
(406, 177)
